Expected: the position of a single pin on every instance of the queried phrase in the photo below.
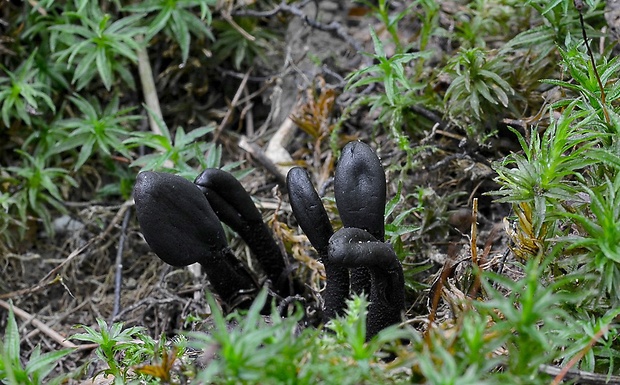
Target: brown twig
(435, 292)
(226, 16)
(148, 88)
(233, 104)
(474, 232)
(581, 377)
(579, 5)
(45, 281)
(474, 248)
(257, 154)
(118, 275)
(563, 373)
(39, 286)
(62, 340)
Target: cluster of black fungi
(181, 222)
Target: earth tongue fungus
(355, 257)
(233, 206)
(313, 220)
(181, 227)
(181, 221)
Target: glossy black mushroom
(234, 206)
(181, 228)
(313, 220)
(353, 247)
(360, 192)
(181, 221)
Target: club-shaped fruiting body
(360, 189)
(234, 206)
(314, 222)
(176, 220)
(308, 209)
(181, 222)
(181, 228)
(360, 192)
(353, 247)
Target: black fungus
(181, 228)
(234, 206)
(313, 220)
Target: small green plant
(440, 366)
(549, 161)
(44, 138)
(241, 47)
(555, 20)
(484, 19)
(131, 355)
(95, 44)
(598, 237)
(181, 154)
(568, 175)
(585, 82)
(382, 12)
(350, 334)
(22, 94)
(397, 227)
(161, 368)
(175, 18)
(399, 223)
(7, 220)
(531, 319)
(520, 326)
(37, 188)
(429, 17)
(114, 340)
(36, 370)
(97, 130)
(604, 331)
(122, 180)
(477, 91)
(393, 105)
(254, 351)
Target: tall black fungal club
(356, 258)
(181, 221)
